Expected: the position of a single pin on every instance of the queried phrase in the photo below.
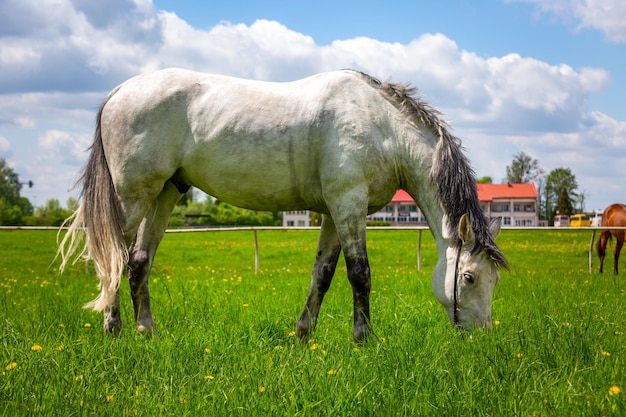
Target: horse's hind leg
(601, 247)
(142, 253)
(328, 249)
(618, 248)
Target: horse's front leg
(360, 279)
(328, 249)
(351, 228)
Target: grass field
(226, 347)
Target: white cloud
(607, 16)
(69, 148)
(5, 147)
(59, 58)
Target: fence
(420, 229)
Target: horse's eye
(469, 278)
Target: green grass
(227, 347)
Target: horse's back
(256, 144)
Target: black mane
(450, 172)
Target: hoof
(113, 327)
(148, 331)
(302, 333)
(362, 334)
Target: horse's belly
(266, 186)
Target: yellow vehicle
(579, 220)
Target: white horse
(338, 143)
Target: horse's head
(464, 281)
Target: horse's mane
(451, 171)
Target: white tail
(96, 229)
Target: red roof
(486, 192)
(401, 196)
(490, 192)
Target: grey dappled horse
(339, 143)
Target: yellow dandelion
(209, 377)
(520, 355)
(36, 347)
(246, 305)
(278, 347)
(10, 366)
(314, 346)
(383, 339)
(61, 326)
(207, 350)
(497, 322)
(292, 334)
(110, 397)
(605, 353)
(614, 390)
(261, 389)
(182, 400)
(60, 348)
(332, 372)
(78, 378)
(87, 325)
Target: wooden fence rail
(419, 229)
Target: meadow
(226, 335)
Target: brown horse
(614, 215)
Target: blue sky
(545, 77)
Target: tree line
(558, 193)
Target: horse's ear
(494, 227)
(465, 230)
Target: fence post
(256, 253)
(593, 235)
(419, 250)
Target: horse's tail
(96, 229)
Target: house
(299, 218)
(400, 211)
(517, 204)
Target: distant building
(400, 211)
(517, 204)
(300, 218)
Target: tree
(560, 191)
(485, 180)
(564, 204)
(13, 207)
(581, 197)
(523, 169)
(52, 214)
